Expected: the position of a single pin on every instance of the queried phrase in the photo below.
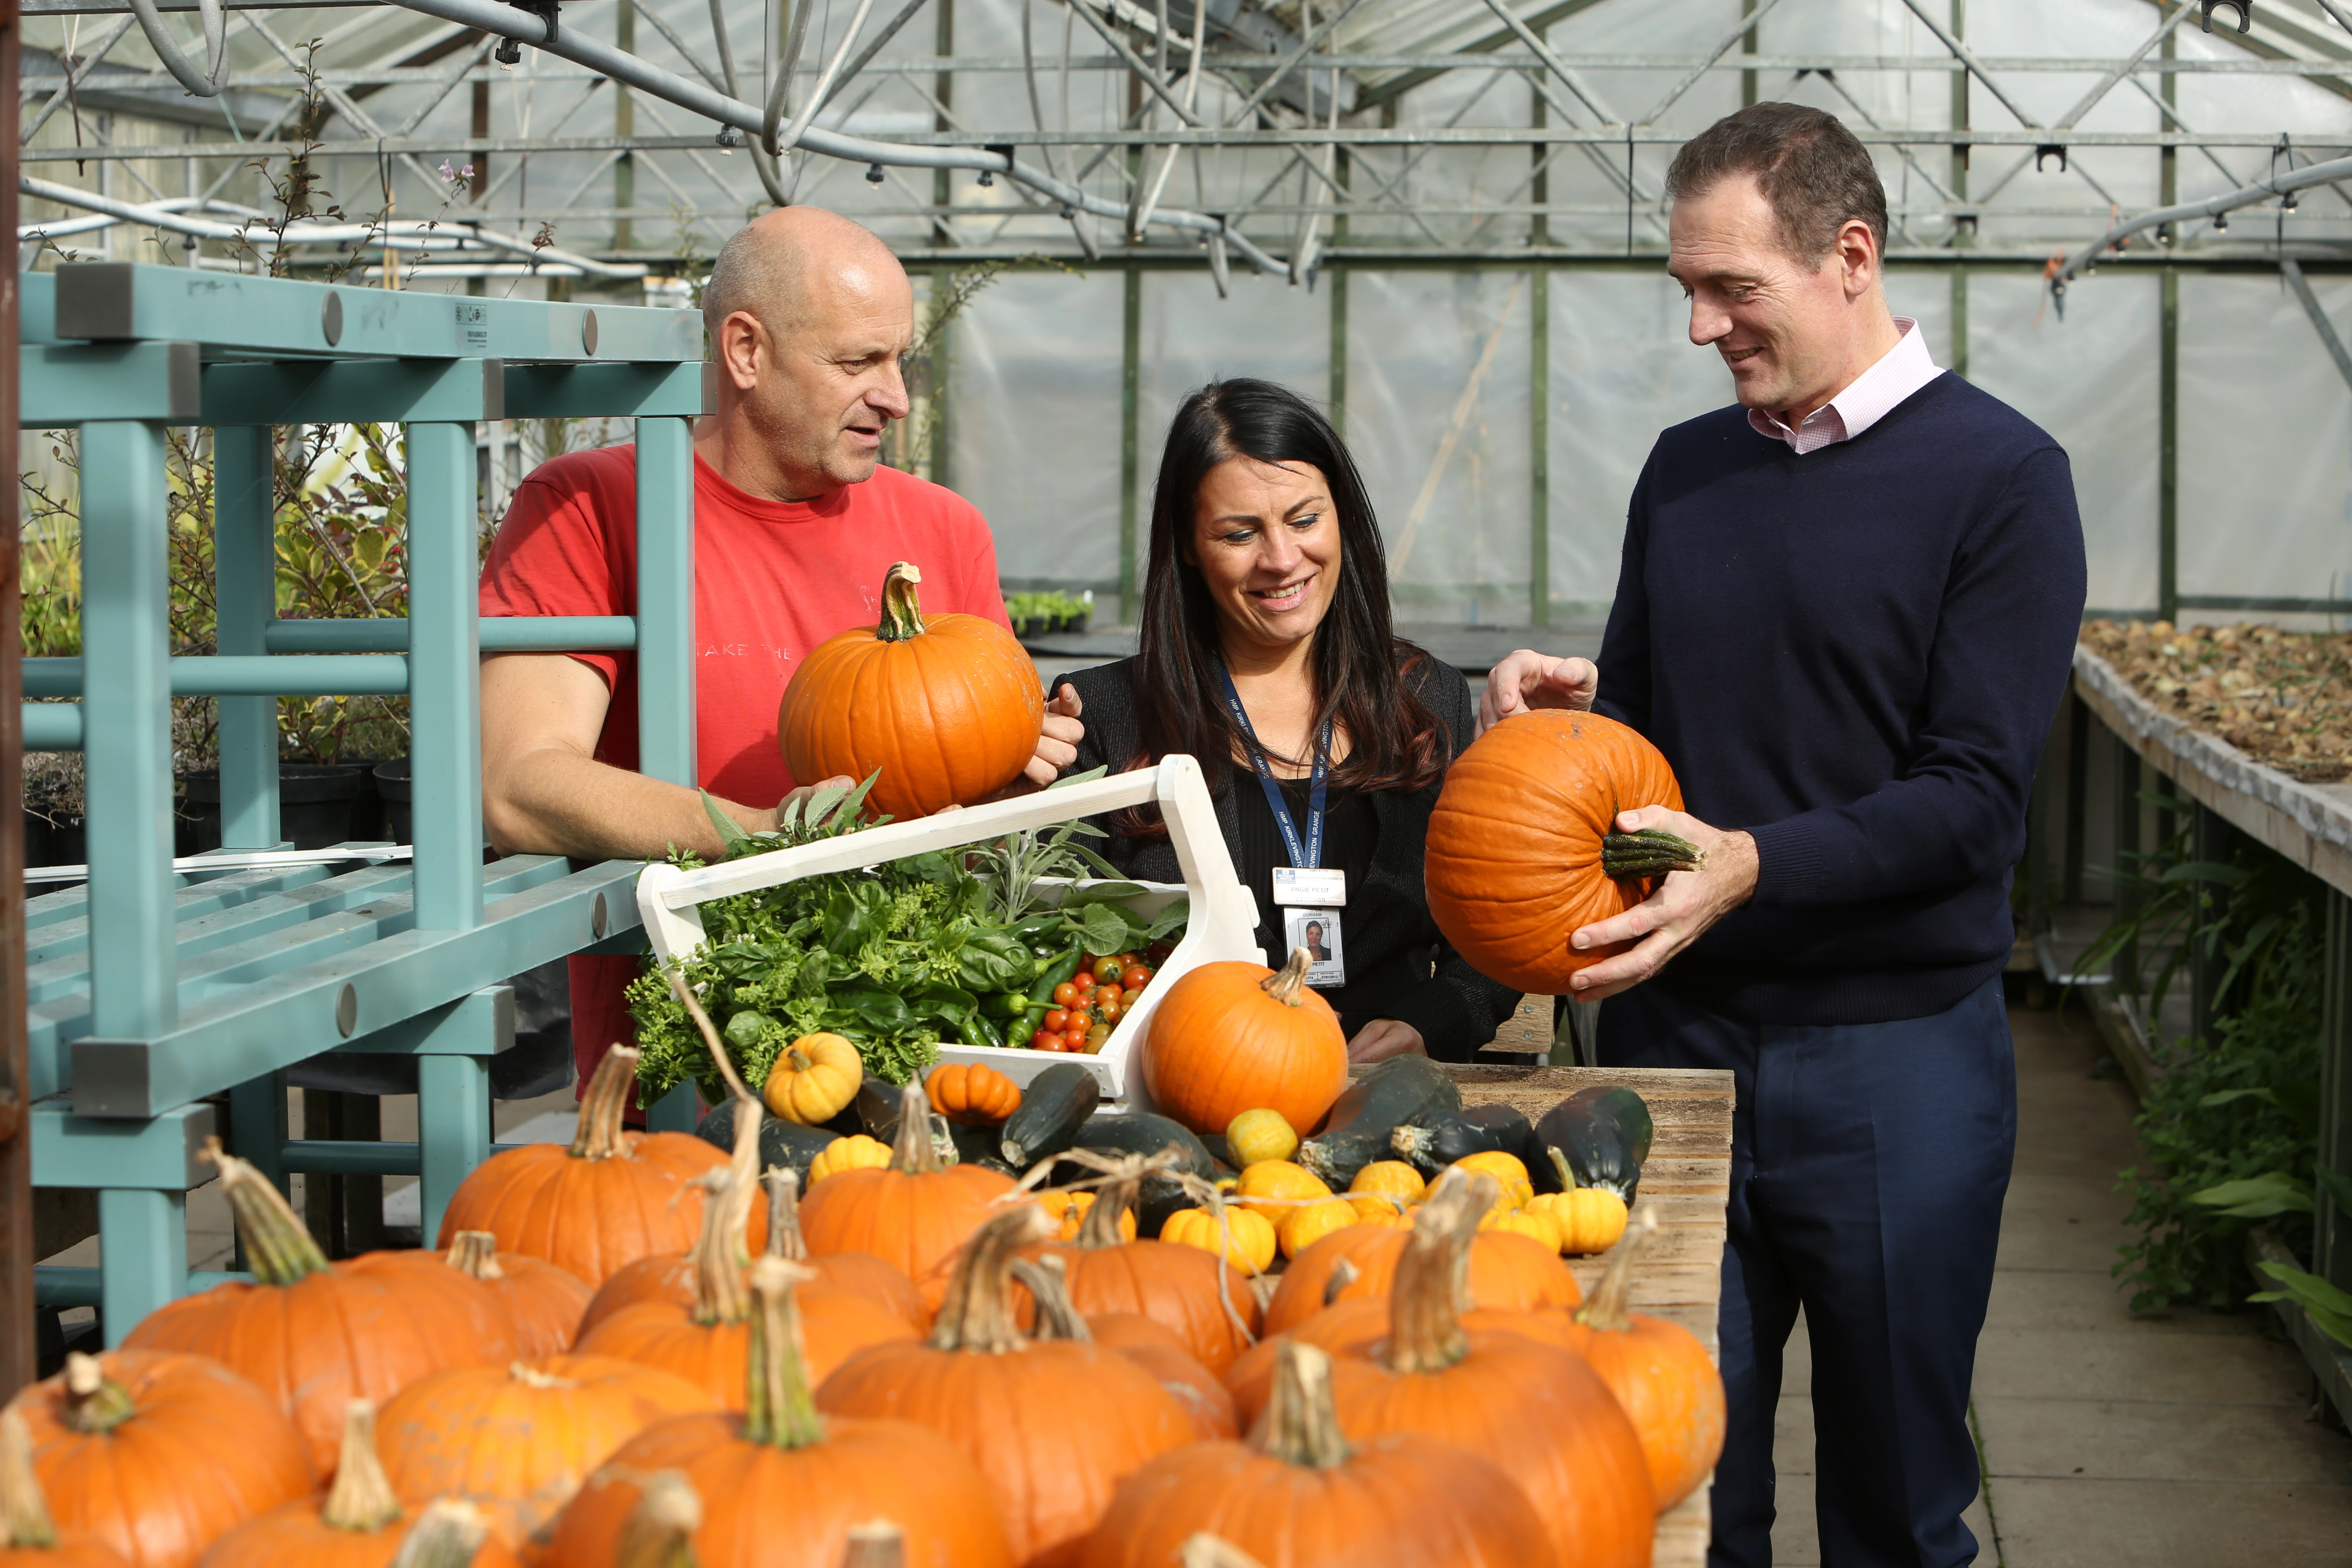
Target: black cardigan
(1456, 1009)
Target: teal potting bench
(152, 994)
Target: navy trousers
(1868, 1165)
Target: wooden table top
(1686, 1182)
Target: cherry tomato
(1066, 994)
(1126, 999)
(1108, 1012)
(1105, 967)
(1157, 954)
(1057, 1020)
(1106, 993)
(1094, 1039)
(1044, 1040)
(1135, 977)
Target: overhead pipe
(492, 16)
(2281, 183)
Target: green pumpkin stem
(447, 1535)
(1302, 1426)
(599, 1134)
(784, 1238)
(1607, 1311)
(1286, 984)
(95, 1403)
(902, 615)
(1651, 852)
(781, 1411)
(1431, 1288)
(912, 1149)
(362, 1499)
(1047, 1278)
(25, 1522)
(977, 1314)
(278, 1247)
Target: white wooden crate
(1222, 923)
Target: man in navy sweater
(1846, 615)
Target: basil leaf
(1101, 929)
(732, 839)
(885, 1010)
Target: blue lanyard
(1306, 856)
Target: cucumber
(781, 1144)
(1053, 1106)
(1357, 1132)
(1436, 1138)
(1604, 1133)
(1140, 1132)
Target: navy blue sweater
(1855, 655)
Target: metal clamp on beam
(2245, 9)
(2050, 150)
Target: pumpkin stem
(362, 1499)
(1433, 1276)
(1302, 1427)
(599, 1134)
(658, 1531)
(718, 1253)
(1343, 1274)
(1285, 984)
(25, 1522)
(784, 1238)
(475, 1254)
(782, 1410)
(978, 1312)
(1207, 1550)
(1047, 1278)
(529, 1376)
(1568, 1182)
(276, 1247)
(878, 1543)
(446, 1536)
(95, 1403)
(1607, 1309)
(710, 1040)
(912, 1151)
(1100, 1228)
(902, 615)
(1651, 852)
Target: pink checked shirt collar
(1900, 372)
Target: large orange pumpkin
(1354, 1324)
(1523, 848)
(544, 1301)
(670, 1277)
(1506, 1271)
(914, 1213)
(1053, 1425)
(1300, 1495)
(1539, 1414)
(826, 1476)
(610, 1197)
(859, 1273)
(524, 1436)
(1233, 1037)
(946, 708)
(359, 1522)
(157, 1455)
(1659, 1373)
(29, 1538)
(317, 1335)
(1150, 1345)
(1201, 1298)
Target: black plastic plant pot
(390, 782)
(314, 806)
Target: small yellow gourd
(1068, 1212)
(1377, 1208)
(1252, 1239)
(1258, 1135)
(1392, 1178)
(813, 1080)
(1507, 1169)
(1274, 1187)
(1303, 1228)
(1590, 1219)
(1538, 1225)
(854, 1152)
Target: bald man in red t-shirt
(796, 524)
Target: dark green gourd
(1053, 1106)
(1606, 1134)
(1357, 1132)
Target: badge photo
(1317, 931)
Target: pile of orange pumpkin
(638, 1346)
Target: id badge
(1317, 931)
(1323, 888)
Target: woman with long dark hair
(1267, 653)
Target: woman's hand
(1384, 1037)
(1671, 918)
(1058, 739)
(1531, 679)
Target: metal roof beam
(1397, 87)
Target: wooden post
(18, 1352)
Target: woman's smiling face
(1266, 541)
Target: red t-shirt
(771, 580)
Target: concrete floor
(2178, 1439)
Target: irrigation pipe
(2282, 182)
(505, 20)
